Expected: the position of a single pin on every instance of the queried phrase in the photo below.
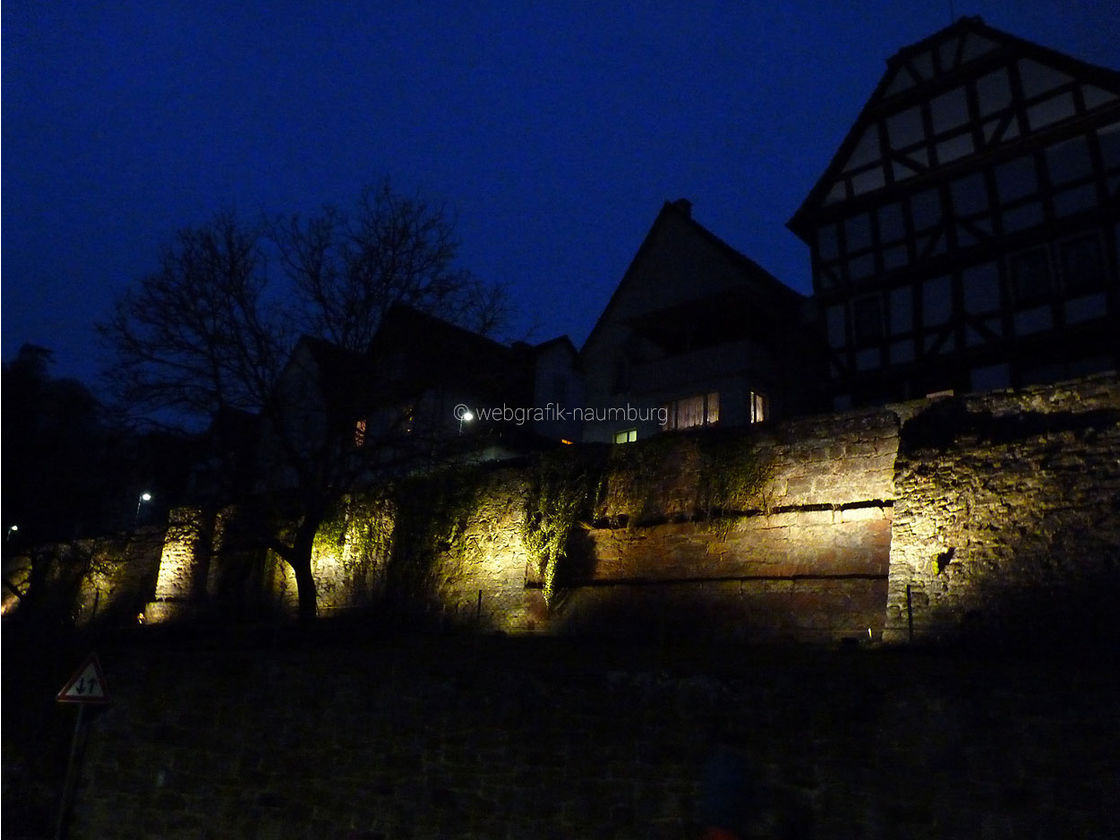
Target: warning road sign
(87, 685)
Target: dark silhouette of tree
(213, 332)
(54, 447)
(352, 267)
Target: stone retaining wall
(992, 514)
(1007, 517)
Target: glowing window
(625, 436)
(760, 408)
(689, 412)
(712, 415)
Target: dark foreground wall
(541, 738)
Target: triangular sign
(87, 685)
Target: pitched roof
(420, 351)
(941, 58)
(749, 272)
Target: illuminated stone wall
(349, 556)
(982, 514)
(804, 558)
(182, 566)
(479, 578)
(1007, 525)
(88, 581)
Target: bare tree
(352, 267)
(196, 336)
(213, 330)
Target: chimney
(684, 205)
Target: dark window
(1069, 161)
(926, 209)
(1082, 264)
(970, 195)
(827, 246)
(892, 227)
(867, 320)
(1030, 275)
(1016, 179)
(857, 230)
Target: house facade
(964, 237)
(695, 334)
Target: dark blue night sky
(553, 131)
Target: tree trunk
(305, 587)
(300, 561)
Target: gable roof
(418, 351)
(926, 69)
(748, 272)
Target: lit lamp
(11, 530)
(144, 497)
(465, 417)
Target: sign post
(86, 687)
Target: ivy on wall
(705, 475)
(432, 510)
(733, 475)
(638, 475)
(563, 491)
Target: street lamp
(11, 530)
(466, 417)
(144, 497)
